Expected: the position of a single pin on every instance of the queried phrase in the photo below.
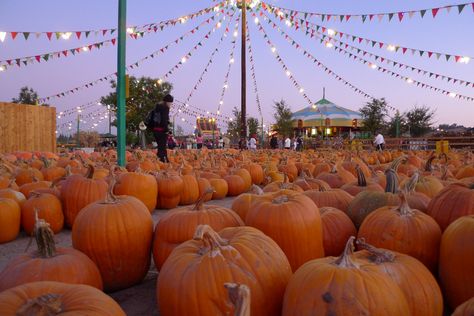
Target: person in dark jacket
(158, 120)
(274, 142)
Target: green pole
(78, 143)
(397, 124)
(122, 29)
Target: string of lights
(253, 72)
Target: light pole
(110, 119)
(243, 63)
(78, 141)
(121, 50)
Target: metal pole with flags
(121, 101)
(243, 133)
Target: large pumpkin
(340, 286)
(236, 185)
(10, 219)
(179, 225)
(78, 191)
(361, 184)
(49, 263)
(49, 208)
(15, 195)
(404, 230)
(190, 192)
(414, 279)
(220, 188)
(169, 190)
(237, 254)
(56, 298)
(337, 228)
(456, 261)
(293, 221)
(241, 204)
(116, 233)
(452, 202)
(337, 198)
(140, 185)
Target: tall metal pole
(122, 28)
(243, 133)
(78, 140)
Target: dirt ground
(135, 301)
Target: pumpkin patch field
(228, 232)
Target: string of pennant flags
(133, 65)
(369, 17)
(133, 31)
(253, 74)
(298, 22)
(329, 40)
(225, 86)
(210, 59)
(313, 59)
(392, 73)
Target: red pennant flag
(380, 44)
(65, 53)
(473, 11)
(329, 17)
(434, 12)
(104, 32)
(404, 49)
(38, 58)
(348, 17)
(90, 47)
(113, 41)
(49, 34)
(323, 29)
(360, 40)
(371, 16)
(78, 35)
(400, 16)
(13, 34)
(78, 50)
(457, 58)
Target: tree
(234, 127)
(392, 125)
(88, 139)
(144, 94)
(373, 114)
(419, 120)
(252, 125)
(283, 115)
(26, 96)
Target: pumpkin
(293, 221)
(205, 189)
(140, 185)
(27, 175)
(236, 185)
(354, 188)
(337, 228)
(241, 255)
(190, 191)
(421, 290)
(404, 230)
(116, 233)
(456, 261)
(78, 191)
(170, 187)
(282, 185)
(10, 218)
(242, 204)
(56, 298)
(48, 207)
(330, 198)
(32, 186)
(245, 175)
(451, 203)
(341, 286)
(49, 263)
(239, 296)
(179, 225)
(465, 309)
(12, 194)
(256, 172)
(220, 188)
(50, 172)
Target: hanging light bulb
(256, 20)
(464, 60)
(220, 102)
(219, 24)
(66, 35)
(391, 48)
(2, 36)
(331, 32)
(85, 49)
(2, 68)
(274, 49)
(301, 90)
(130, 30)
(183, 60)
(232, 60)
(452, 94)
(329, 44)
(409, 80)
(288, 73)
(236, 33)
(373, 66)
(160, 81)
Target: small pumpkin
(337, 228)
(10, 219)
(49, 209)
(170, 186)
(140, 185)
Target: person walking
(288, 143)
(274, 142)
(253, 143)
(199, 141)
(158, 120)
(379, 142)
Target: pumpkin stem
(200, 202)
(392, 181)
(404, 208)
(44, 237)
(411, 184)
(90, 171)
(429, 162)
(239, 296)
(376, 255)
(345, 261)
(211, 239)
(281, 199)
(361, 181)
(44, 305)
(397, 162)
(111, 198)
(255, 189)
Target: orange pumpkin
(290, 218)
(190, 192)
(465, 309)
(56, 298)
(12, 194)
(242, 204)
(237, 254)
(49, 263)
(179, 225)
(340, 286)
(456, 261)
(220, 188)
(140, 185)
(48, 207)
(116, 233)
(170, 187)
(337, 198)
(337, 228)
(10, 218)
(235, 184)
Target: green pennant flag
(373, 43)
(321, 40)
(87, 33)
(421, 53)
(112, 31)
(323, 16)
(341, 17)
(461, 7)
(73, 51)
(353, 38)
(306, 15)
(448, 57)
(422, 13)
(58, 35)
(358, 51)
(25, 62)
(390, 16)
(364, 17)
(26, 35)
(318, 27)
(46, 57)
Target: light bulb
(288, 73)
(329, 44)
(391, 48)
(331, 32)
(256, 21)
(452, 94)
(409, 80)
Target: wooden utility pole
(243, 133)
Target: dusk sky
(447, 33)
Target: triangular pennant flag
(87, 33)
(113, 41)
(371, 16)
(78, 35)
(400, 16)
(448, 9)
(38, 34)
(421, 53)
(46, 57)
(390, 16)
(64, 53)
(58, 35)
(447, 57)
(438, 55)
(434, 11)
(461, 7)
(38, 58)
(364, 17)
(104, 32)
(348, 17)
(26, 35)
(457, 58)
(112, 31)
(410, 14)
(13, 34)
(422, 13)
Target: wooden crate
(27, 128)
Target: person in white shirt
(287, 143)
(379, 142)
(253, 143)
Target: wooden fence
(27, 128)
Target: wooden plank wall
(27, 128)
